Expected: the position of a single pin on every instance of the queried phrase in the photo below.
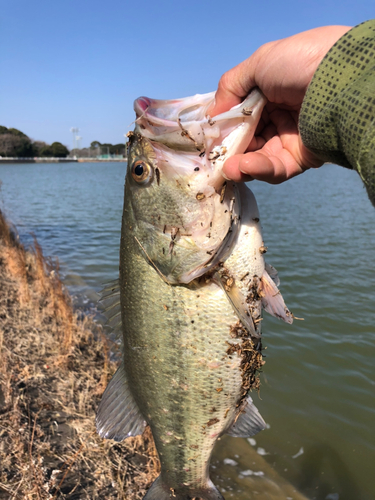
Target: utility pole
(74, 131)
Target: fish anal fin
(249, 422)
(272, 300)
(118, 416)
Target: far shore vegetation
(16, 144)
(98, 149)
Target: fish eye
(141, 171)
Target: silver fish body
(192, 284)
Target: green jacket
(337, 119)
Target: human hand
(282, 70)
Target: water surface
(318, 384)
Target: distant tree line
(97, 149)
(106, 148)
(14, 143)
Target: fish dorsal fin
(118, 416)
(110, 300)
(238, 301)
(272, 300)
(250, 421)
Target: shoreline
(54, 367)
(60, 160)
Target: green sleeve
(337, 119)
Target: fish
(192, 286)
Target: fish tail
(209, 492)
(160, 491)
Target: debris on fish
(193, 282)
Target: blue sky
(82, 63)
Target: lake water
(318, 385)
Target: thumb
(233, 86)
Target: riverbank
(5, 160)
(60, 160)
(54, 366)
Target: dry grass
(53, 370)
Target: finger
(269, 131)
(263, 122)
(284, 141)
(233, 86)
(262, 166)
(231, 172)
(257, 142)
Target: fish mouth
(175, 123)
(141, 104)
(148, 110)
(184, 125)
(168, 112)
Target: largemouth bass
(192, 285)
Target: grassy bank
(54, 366)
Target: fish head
(185, 214)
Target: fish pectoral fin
(238, 301)
(118, 416)
(250, 421)
(110, 301)
(161, 491)
(272, 300)
(273, 274)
